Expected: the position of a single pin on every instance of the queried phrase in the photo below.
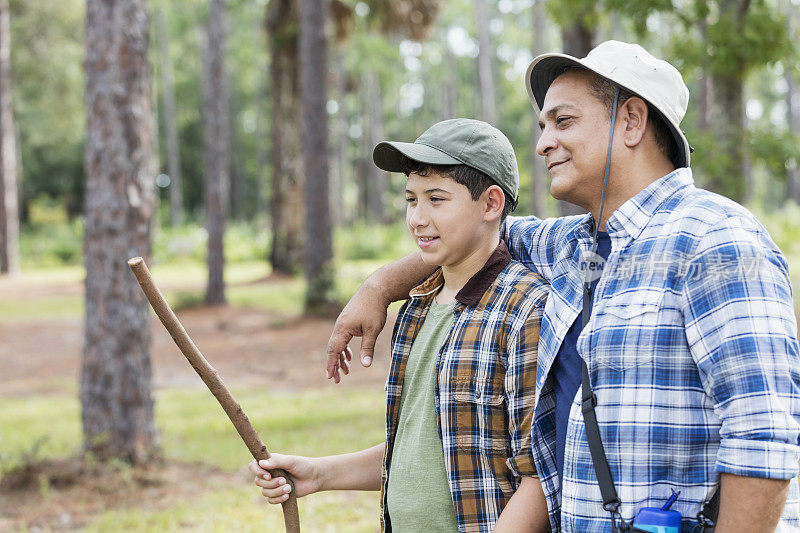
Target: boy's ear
(495, 200)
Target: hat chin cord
(605, 177)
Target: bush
(372, 242)
(784, 226)
(50, 239)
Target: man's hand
(364, 316)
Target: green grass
(194, 429)
(236, 510)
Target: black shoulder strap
(588, 402)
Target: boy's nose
(417, 217)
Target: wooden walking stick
(211, 378)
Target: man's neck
(457, 275)
(626, 184)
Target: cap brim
(387, 155)
(544, 69)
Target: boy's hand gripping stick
(215, 384)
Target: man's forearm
(395, 280)
(526, 511)
(750, 505)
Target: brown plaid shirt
(485, 383)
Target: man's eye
(411, 200)
(436, 199)
(562, 120)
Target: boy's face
(446, 223)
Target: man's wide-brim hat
(633, 68)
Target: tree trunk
(339, 152)
(378, 180)
(485, 77)
(9, 212)
(538, 168)
(706, 96)
(217, 146)
(449, 93)
(170, 124)
(117, 408)
(727, 177)
(577, 40)
(261, 144)
(313, 97)
(792, 112)
(238, 182)
(287, 209)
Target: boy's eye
(436, 199)
(409, 199)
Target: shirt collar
(634, 215)
(472, 291)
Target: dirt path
(247, 346)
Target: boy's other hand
(306, 475)
(364, 316)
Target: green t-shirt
(418, 495)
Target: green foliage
(50, 239)
(47, 76)
(775, 148)
(370, 241)
(783, 225)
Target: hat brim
(544, 69)
(388, 155)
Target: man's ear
(495, 200)
(633, 114)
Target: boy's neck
(456, 276)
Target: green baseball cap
(458, 141)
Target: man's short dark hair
(473, 179)
(603, 89)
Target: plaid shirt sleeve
(534, 242)
(742, 333)
(520, 387)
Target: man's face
(575, 126)
(444, 220)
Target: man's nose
(546, 143)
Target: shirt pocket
(479, 416)
(625, 334)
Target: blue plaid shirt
(692, 351)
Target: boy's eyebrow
(553, 111)
(429, 191)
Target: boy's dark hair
(473, 179)
(604, 90)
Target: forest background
(229, 143)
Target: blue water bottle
(659, 520)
